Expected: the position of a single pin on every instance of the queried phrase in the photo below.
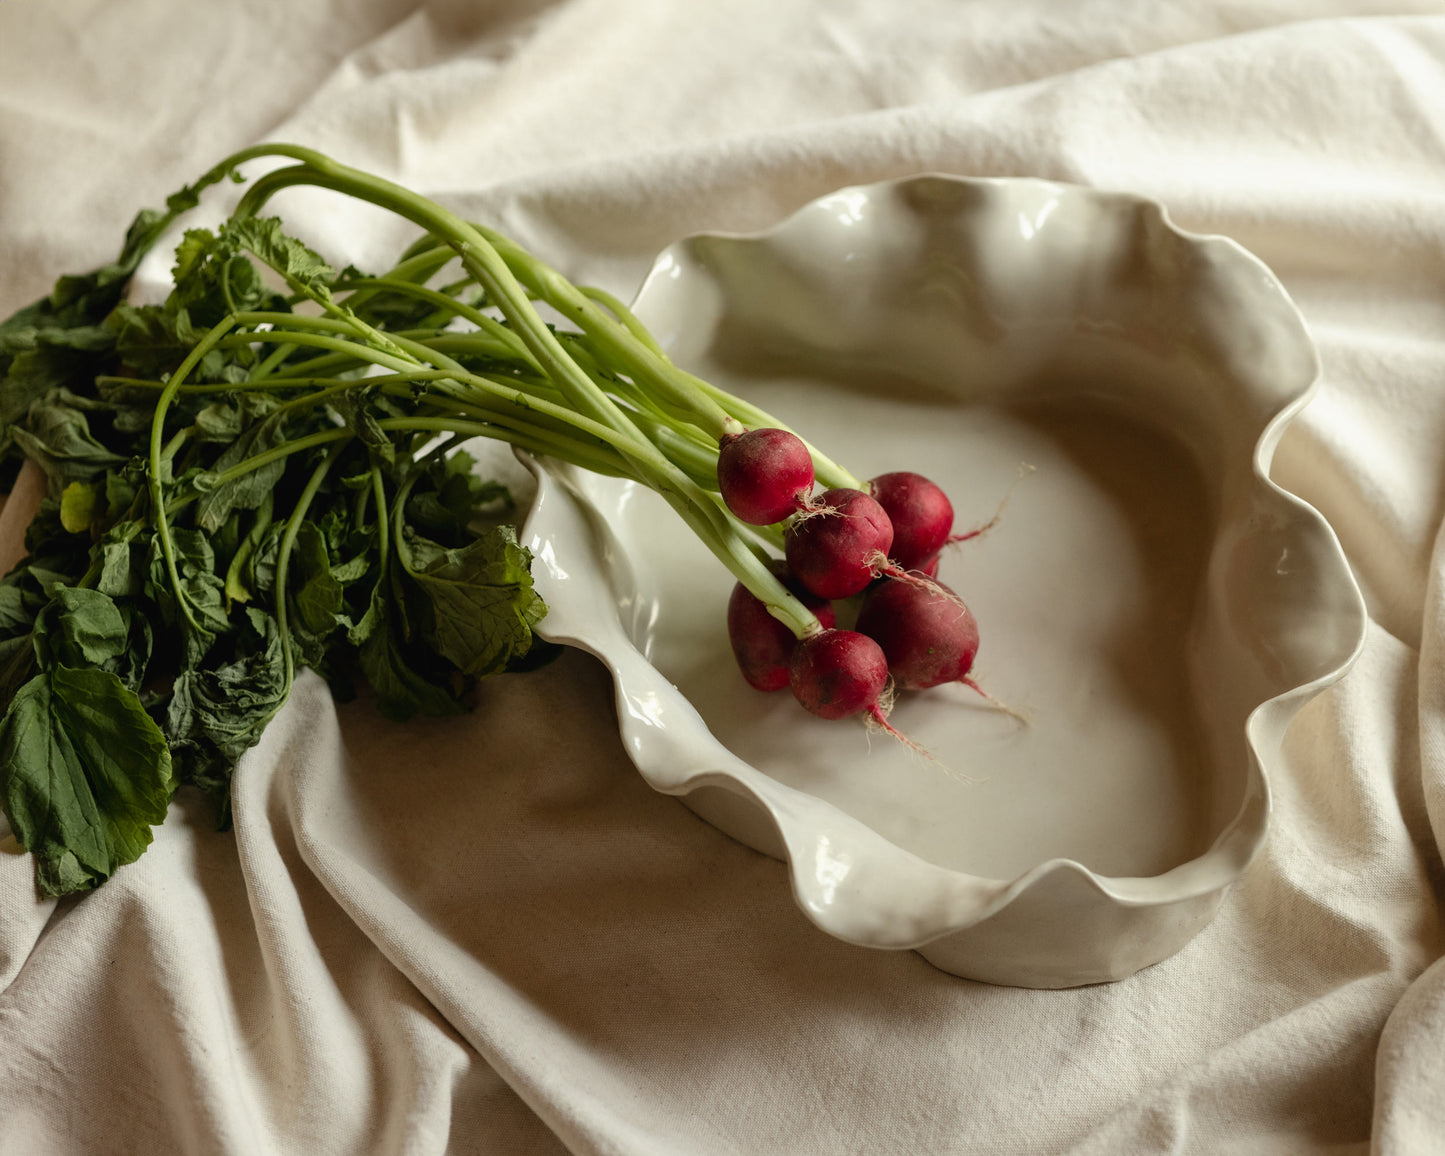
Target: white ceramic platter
(1154, 603)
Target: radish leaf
(85, 773)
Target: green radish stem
(482, 388)
(488, 325)
(207, 387)
(510, 411)
(269, 364)
(651, 362)
(383, 523)
(615, 336)
(283, 557)
(251, 464)
(627, 317)
(590, 458)
(157, 491)
(477, 256)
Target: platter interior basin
(1151, 608)
(1095, 565)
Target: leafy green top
(119, 682)
(262, 472)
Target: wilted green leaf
(78, 628)
(478, 606)
(84, 773)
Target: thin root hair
(807, 511)
(876, 719)
(1025, 469)
(884, 567)
(1018, 716)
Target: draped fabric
(486, 934)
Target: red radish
(762, 645)
(839, 673)
(921, 514)
(764, 474)
(927, 634)
(836, 551)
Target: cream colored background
(485, 934)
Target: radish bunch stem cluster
(607, 398)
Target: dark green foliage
(133, 661)
(85, 774)
(473, 606)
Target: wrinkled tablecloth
(486, 934)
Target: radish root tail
(1017, 715)
(885, 567)
(1024, 471)
(876, 719)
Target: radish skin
(762, 645)
(921, 514)
(926, 633)
(839, 673)
(764, 475)
(833, 553)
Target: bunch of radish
(880, 541)
(283, 446)
(604, 396)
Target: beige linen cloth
(486, 934)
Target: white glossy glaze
(1157, 606)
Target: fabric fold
(485, 933)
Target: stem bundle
(605, 398)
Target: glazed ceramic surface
(1151, 601)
